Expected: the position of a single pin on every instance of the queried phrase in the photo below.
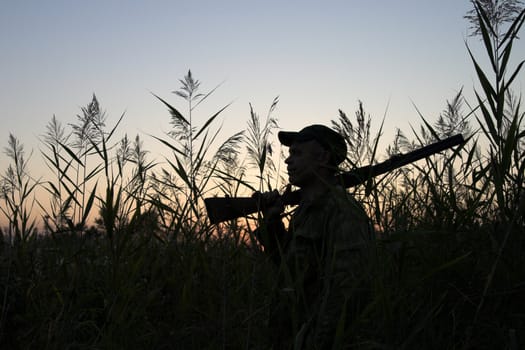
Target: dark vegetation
(150, 272)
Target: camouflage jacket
(319, 257)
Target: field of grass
(126, 257)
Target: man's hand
(271, 204)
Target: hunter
(321, 253)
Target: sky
(316, 56)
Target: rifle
(227, 208)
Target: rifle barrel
(360, 175)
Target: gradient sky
(317, 56)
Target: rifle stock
(228, 208)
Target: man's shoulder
(340, 200)
(335, 205)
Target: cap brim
(287, 137)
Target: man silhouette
(321, 253)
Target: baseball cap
(328, 138)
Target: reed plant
(68, 154)
(180, 197)
(17, 191)
(260, 149)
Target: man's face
(304, 162)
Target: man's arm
(271, 232)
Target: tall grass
(180, 197)
(128, 259)
(17, 191)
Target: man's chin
(294, 181)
